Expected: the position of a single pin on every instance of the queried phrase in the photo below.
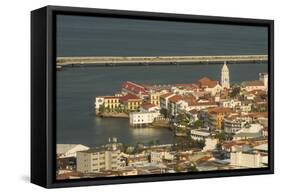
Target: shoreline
(112, 115)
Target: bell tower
(225, 76)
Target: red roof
(129, 97)
(219, 110)
(148, 105)
(175, 98)
(207, 82)
(166, 95)
(133, 87)
(110, 97)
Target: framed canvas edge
(51, 11)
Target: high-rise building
(225, 76)
(99, 159)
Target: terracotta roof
(129, 97)
(207, 82)
(253, 83)
(147, 105)
(175, 98)
(110, 97)
(219, 110)
(135, 88)
(259, 114)
(166, 95)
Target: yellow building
(131, 102)
(109, 102)
(154, 98)
(216, 117)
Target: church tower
(225, 76)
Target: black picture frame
(43, 95)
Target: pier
(150, 60)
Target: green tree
(197, 124)
(235, 92)
(164, 112)
(102, 108)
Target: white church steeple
(225, 76)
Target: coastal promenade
(150, 60)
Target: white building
(225, 77)
(99, 101)
(199, 134)
(264, 78)
(142, 118)
(99, 159)
(69, 150)
(210, 144)
(245, 107)
(230, 103)
(253, 128)
(158, 157)
(249, 160)
(214, 89)
(235, 123)
(164, 99)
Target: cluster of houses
(233, 125)
(144, 103)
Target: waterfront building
(246, 159)
(210, 86)
(225, 77)
(130, 102)
(216, 117)
(138, 119)
(69, 150)
(109, 102)
(135, 89)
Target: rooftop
(253, 83)
(128, 97)
(207, 82)
(136, 88)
